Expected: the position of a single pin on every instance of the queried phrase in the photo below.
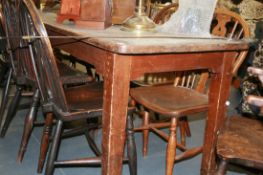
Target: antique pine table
(121, 56)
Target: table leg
(219, 93)
(115, 101)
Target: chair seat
(170, 100)
(241, 141)
(86, 97)
(72, 76)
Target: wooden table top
(123, 42)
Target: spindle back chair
(240, 139)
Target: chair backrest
(153, 9)
(3, 51)
(2, 34)
(230, 25)
(196, 79)
(18, 56)
(163, 15)
(226, 24)
(42, 56)
(8, 22)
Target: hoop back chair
(20, 68)
(66, 104)
(240, 140)
(225, 24)
(153, 8)
(185, 96)
(21, 74)
(164, 14)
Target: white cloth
(192, 18)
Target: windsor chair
(240, 139)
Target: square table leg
(218, 95)
(115, 102)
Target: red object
(69, 9)
(94, 14)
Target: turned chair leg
(146, 118)
(5, 94)
(28, 125)
(92, 143)
(182, 132)
(45, 141)
(186, 126)
(171, 147)
(11, 111)
(222, 167)
(131, 147)
(54, 149)
(132, 154)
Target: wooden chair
(225, 24)
(231, 25)
(186, 96)
(18, 59)
(153, 8)
(240, 140)
(66, 104)
(163, 15)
